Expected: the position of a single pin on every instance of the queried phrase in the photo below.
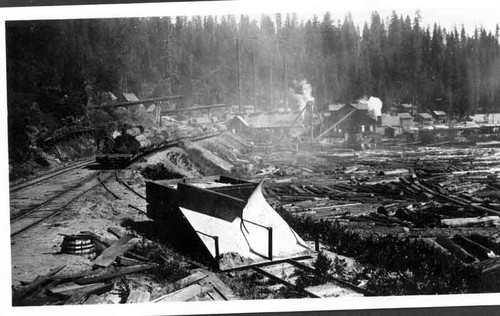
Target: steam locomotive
(123, 148)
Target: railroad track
(117, 196)
(56, 204)
(53, 174)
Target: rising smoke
(303, 94)
(374, 105)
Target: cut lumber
(116, 273)
(184, 294)
(38, 281)
(124, 261)
(87, 289)
(109, 255)
(219, 286)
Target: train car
(131, 143)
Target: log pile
(448, 198)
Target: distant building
(406, 120)
(267, 126)
(130, 97)
(490, 118)
(439, 116)
(348, 120)
(390, 125)
(238, 125)
(401, 108)
(424, 118)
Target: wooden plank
(64, 287)
(116, 273)
(219, 286)
(195, 277)
(109, 255)
(124, 261)
(137, 296)
(184, 294)
(87, 289)
(38, 281)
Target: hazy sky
(448, 14)
(448, 18)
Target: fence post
(270, 240)
(217, 263)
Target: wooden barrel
(78, 245)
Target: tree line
(56, 66)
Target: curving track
(114, 190)
(47, 197)
(71, 167)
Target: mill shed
(221, 220)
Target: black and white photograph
(238, 156)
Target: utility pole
(312, 125)
(285, 84)
(238, 73)
(271, 75)
(254, 80)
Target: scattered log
(434, 245)
(116, 273)
(109, 255)
(185, 294)
(86, 290)
(37, 282)
(471, 221)
(455, 249)
(478, 250)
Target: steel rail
(58, 195)
(128, 187)
(57, 211)
(28, 183)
